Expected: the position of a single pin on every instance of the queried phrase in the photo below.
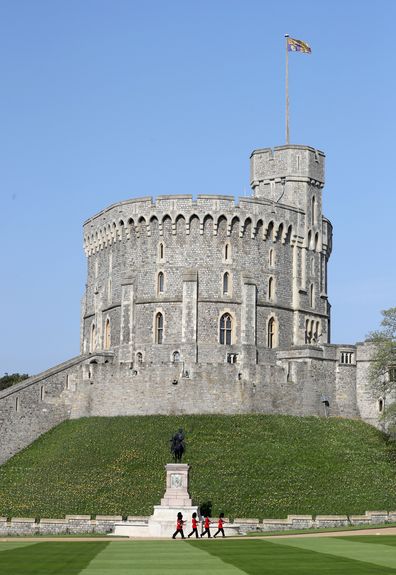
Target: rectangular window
(347, 357)
(42, 393)
(392, 374)
(17, 405)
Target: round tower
(213, 280)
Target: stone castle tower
(210, 280)
(205, 306)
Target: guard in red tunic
(220, 524)
(206, 527)
(179, 526)
(194, 523)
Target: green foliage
(8, 380)
(246, 465)
(384, 359)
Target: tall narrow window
(225, 329)
(271, 333)
(271, 258)
(92, 342)
(161, 251)
(159, 328)
(271, 289)
(317, 333)
(227, 252)
(17, 405)
(107, 338)
(226, 282)
(109, 290)
(161, 282)
(42, 393)
(308, 332)
(313, 210)
(312, 295)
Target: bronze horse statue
(178, 445)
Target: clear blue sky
(104, 100)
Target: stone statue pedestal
(176, 494)
(162, 523)
(176, 498)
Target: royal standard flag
(294, 45)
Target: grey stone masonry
(105, 524)
(206, 305)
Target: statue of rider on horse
(178, 445)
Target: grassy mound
(246, 465)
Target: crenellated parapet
(248, 217)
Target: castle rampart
(206, 305)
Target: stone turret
(290, 175)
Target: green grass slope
(246, 465)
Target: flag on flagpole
(294, 45)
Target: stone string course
(104, 524)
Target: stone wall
(84, 524)
(303, 380)
(37, 404)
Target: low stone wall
(104, 524)
(71, 524)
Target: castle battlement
(290, 162)
(256, 216)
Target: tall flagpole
(287, 90)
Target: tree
(382, 370)
(8, 380)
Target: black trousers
(194, 531)
(206, 531)
(219, 531)
(178, 531)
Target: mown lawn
(308, 556)
(246, 465)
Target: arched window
(271, 333)
(271, 289)
(227, 251)
(317, 332)
(308, 332)
(271, 258)
(107, 338)
(226, 282)
(159, 328)
(312, 295)
(381, 404)
(313, 210)
(225, 329)
(316, 241)
(92, 341)
(161, 251)
(160, 282)
(176, 357)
